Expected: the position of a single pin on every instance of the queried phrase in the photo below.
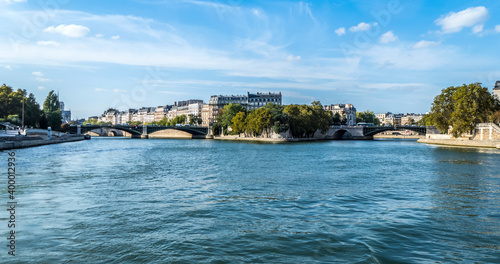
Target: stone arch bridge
(142, 131)
(367, 132)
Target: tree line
(11, 107)
(457, 110)
(302, 120)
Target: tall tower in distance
(496, 90)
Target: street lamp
(22, 122)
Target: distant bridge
(142, 131)
(367, 132)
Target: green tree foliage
(32, 112)
(425, 121)
(92, 121)
(177, 120)
(163, 121)
(52, 110)
(195, 119)
(304, 120)
(462, 107)
(495, 117)
(226, 117)
(11, 104)
(14, 119)
(134, 123)
(239, 123)
(367, 117)
(259, 121)
(216, 129)
(11, 101)
(336, 119)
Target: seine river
(117, 200)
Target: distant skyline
(378, 55)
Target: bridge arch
(342, 134)
(371, 131)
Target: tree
(43, 121)
(495, 117)
(5, 109)
(32, 112)
(14, 119)
(163, 121)
(216, 129)
(367, 117)
(424, 121)
(11, 101)
(305, 120)
(226, 117)
(337, 118)
(462, 108)
(92, 121)
(239, 123)
(195, 119)
(52, 110)
(259, 121)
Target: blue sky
(390, 55)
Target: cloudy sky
(384, 56)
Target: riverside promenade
(486, 135)
(14, 139)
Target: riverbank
(27, 142)
(459, 142)
(270, 140)
(399, 136)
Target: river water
(118, 200)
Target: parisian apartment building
(344, 110)
(195, 107)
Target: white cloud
(99, 90)
(99, 35)
(340, 31)
(497, 28)
(170, 49)
(74, 31)
(48, 43)
(477, 29)
(470, 17)
(425, 44)
(388, 37)
(39, 77)
(362, 27)
(119, 91)
(7, 67)
(293, 58)
(41, 88)
(115, 37)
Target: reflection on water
(203, 201)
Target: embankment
(448, 140)
(462, 142)
(26, 142)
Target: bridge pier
(144, 132)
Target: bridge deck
(142, 130)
